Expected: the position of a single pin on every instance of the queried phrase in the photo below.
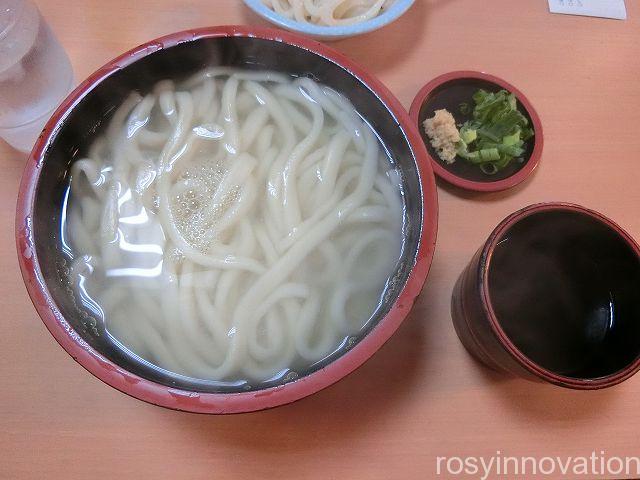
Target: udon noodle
(235, 227)
(329, 12)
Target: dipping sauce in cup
(553, 296)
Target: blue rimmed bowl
(330, 33)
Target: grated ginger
(442, 131)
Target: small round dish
(449, 91)
(330, 33)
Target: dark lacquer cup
(553, 295)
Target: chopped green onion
(511, 139)
(468, 135)
(497, 132)
(489, 168)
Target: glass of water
(35, 73)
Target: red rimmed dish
(448, 91)
(86, 112)
(552, 296)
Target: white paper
(591, 8)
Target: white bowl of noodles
(330, 19)
(226, 220)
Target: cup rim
(473, 185)
(219, 403)
(531, 366)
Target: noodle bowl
(235, 228)
(107, 302)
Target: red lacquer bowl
(85, 113)
(449, 91)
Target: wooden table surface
(421, 396)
